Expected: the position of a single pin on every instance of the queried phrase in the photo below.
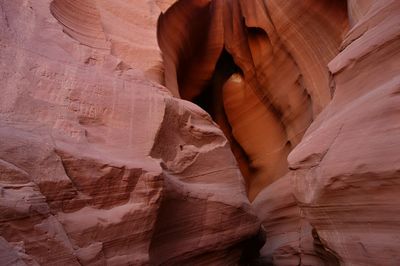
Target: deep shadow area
(280, 56)
(211, 97)
(211, 100)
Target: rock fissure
(107, 158)
(263, 113)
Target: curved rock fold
(199, 132)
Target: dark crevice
(211, 100)
(211, 94)
(329, 257)
(260, 53)
(251, 251)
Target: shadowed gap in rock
(211, 100)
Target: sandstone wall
(106, 157)
(307, 94)
(99, 164)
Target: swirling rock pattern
(123, 29)
(345, 173)
(281, 49)
(100, 165)
(307, 94)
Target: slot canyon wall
(106, 157)
(99, 164)
(308, 95)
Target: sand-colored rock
(291, 239)
(99, 164)
(125, 29)
(281, 48)
(328, 70)
(345, 171)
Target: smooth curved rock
(99, 165)
(280, 47)
(327, 70)
(126, 30)
(344, 173)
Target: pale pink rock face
(99, 164)
(339, 202)
(105, 161)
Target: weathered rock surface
(280, 48)
(339, 203)
(99, 165)
(125, 29)
(277, 70)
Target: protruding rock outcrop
(328, 70)
(98, 164)
(281, 48)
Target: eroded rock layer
(98, 164)
(102, 165)
(125, 29)
(280, 48)
(339, 201)
(307, 94)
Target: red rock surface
(99, 165)
(328, 70)
(281, 49)
(339, 202)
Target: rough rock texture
(279, 48)
(125, 29)
(102, 165)
(339, 203)
(272, 71)
(98, 164)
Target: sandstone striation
(138, 132)
(307, 94)
(338, 203)
(345, 172)
(99, 164)
(280, 48)
(125, 29)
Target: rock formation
(345, 172)
(282, 60)
(106, 157)
(277, 70)
(99, 164)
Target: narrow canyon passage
(299, 90)
(99, 164)
(111, 148)
(263, 79)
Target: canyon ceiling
(199, 132)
